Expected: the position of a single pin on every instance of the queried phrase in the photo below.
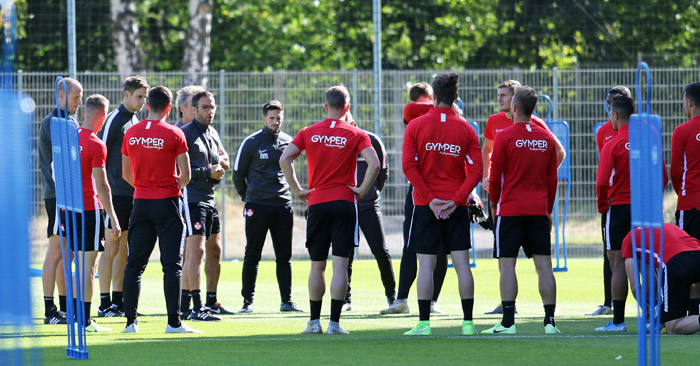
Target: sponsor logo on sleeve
(444, 149)
(532, 145)
(330, 141)
(627, 146)
(697, 137)
(148, 142)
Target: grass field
(268, 337)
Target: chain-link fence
(578, 96)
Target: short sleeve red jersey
(331, 152)
(685, 163)
(523, 171)
(613, 176)
(500, 121)
(93, 154)
(605, 133)
(414, 110)
(152, 148)
(675, 241)
(436, 148)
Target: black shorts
(617, 226)
(122, 207)
(52, 227)
(427, 234)
(201, 220)
(532, 233)
(331, 222)
(94, 230)
(680, 272)
(689, 221)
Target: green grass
(268, 337)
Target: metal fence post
(355, 101)
(222, 130)
(555, 93)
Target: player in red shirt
(685, 173)
(604, 134)
(613, 195)
(436, 148)
(421, 95)
(331, 148)
(151, 150)
(524, 167)
(681, 268)
(97, 197)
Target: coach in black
(268, 204)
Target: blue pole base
(472, 265)
(560, 269)
(77, 354)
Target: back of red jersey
(93, 154)
(523, 171)
(331, 152)
(414, 110)
(685, 164)
(675, 241)
(436, 149)
(500, 121)
(605, 133)
(152, 148)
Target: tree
(195, 62)
(125, 37)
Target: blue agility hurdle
(69, 198)
(646, 183)
(560, 129)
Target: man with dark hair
(331, 148)
(152, 150)
(685, 174)
(212, 263)
(441, 159)
(604, 134)
(97, 199)
(260, 183)
(421, 95)
(201, 214)
(524, 165)
(613, 195)
(113, 259)
(52, 270)
(681, 269)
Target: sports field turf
(268, 337)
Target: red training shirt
(331, 152)
(685, 164)
(93, 154)
(499, 122)
(523, 171)
(152, 147)
(436, 148)
(414, 110)
(604, 134)
(675, 241)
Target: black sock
(467, 308)
(211, 298)
(174, 320)
(315, 309)
(618, 311)
(424, 310)
(185, 298)
(196, 299)
(549, 314)
(105, 300)
(87, 312)
(508, 313)
(130, 320)
(336, 307)
(694, 307)
(49, 306)
(117, 299)
(62, 303)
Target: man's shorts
(680, 272)
(532, 233)
(331, 222)
(122, 207)
(201, 220)
(52, 227)
(689, 221)
(94, 229)
(617, 225)
(428, 233)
